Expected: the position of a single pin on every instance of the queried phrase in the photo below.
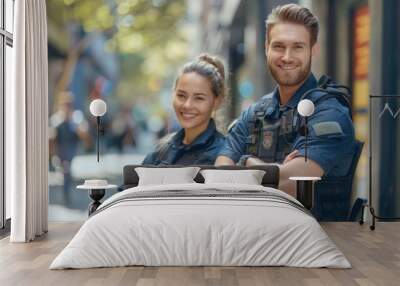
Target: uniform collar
(203, 138)
(310, 83)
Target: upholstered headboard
(270, 179)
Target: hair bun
(215, 61)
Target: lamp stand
(306, 144)
(98, 137)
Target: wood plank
(374, 255)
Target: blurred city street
(72, 204)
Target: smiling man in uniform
(269, 130)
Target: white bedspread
(186, 230)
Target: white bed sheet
(200, 231)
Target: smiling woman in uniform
(198, 92)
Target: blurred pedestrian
(122, 130)
(68, 129)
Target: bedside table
(305, 190)
(97, 190)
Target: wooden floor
(374, 255)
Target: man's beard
(290, 81)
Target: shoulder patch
(327, 128)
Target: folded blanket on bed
(201, 224)
(205, 194)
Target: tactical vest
(271, 137)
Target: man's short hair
(296, 14)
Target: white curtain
(27, 121)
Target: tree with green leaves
(147, 35)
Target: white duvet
(182, 231)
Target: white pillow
(248, 177)
(166, 176)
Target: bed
(201, 224)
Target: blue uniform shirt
(202, 151)
(331, 139)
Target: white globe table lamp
(306, 108)
(98, 108)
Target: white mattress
(183, 231)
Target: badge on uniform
(268, 139)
